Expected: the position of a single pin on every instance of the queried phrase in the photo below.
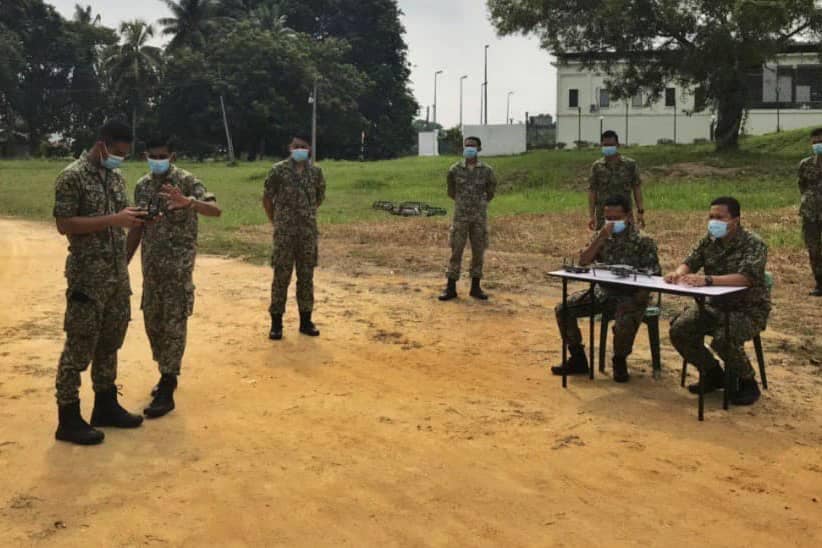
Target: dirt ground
(408, 423)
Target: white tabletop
(653, 283)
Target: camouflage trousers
(462, 231)
(688, 331)
(627, 310)
(812, 234)
(292, 253)
(166, 308)
(95, 328)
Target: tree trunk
(730, 109)
(134, 129)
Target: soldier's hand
(175, 197)
(672, 278)
(592, 223)
(640, 220)
(694, 280)
(607, 229)
(129, 217)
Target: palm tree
(191, 22)
(83, 16)
(269, 16)
(134, 66)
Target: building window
(670, 97)
(573, 98)
(636, 100)
(604, 98)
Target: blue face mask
(817, 149)
(158, 167)
(112, 162)
(610, 151)
(470, 152)
(717, 229)
(299, 154)
(619, 227)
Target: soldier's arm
(320, 188)
(67, 205)
(271, 187)
(491, 185)
(135, 236)
(693, 263)
(804, 182)
(452, 184)
(204, 202)
(590, 253)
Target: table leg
(591, 362)
(564, 327)
(727, 369)
(701, 395)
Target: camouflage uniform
(168, 252)
(744, 253)
(471, 189)
(810, 185)
(607, 179)
(98, 297)
(296, 197)
(626, 305)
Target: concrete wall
(499, 140)
(429, 143)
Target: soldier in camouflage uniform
(294, 189)
(728, 256)
(810, 185)
(168, 251)
(471, 184)
(613, 175)
(619, 242)
(91, 209)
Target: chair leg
(603, 342)
(760, 357)
(653, 339)
(684, 372)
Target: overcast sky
(446, 35)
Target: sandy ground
(408, 423)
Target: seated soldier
(619, 242)
(729, 255)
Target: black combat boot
(577, 363)
(307, 327)
(163, 402)
(714, 380)
(450, 292)
(108, 412)
(276, 332)
(476, 290)
(621, 370)
(747, 393)
(818, 291)
(74, 429)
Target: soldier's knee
(680, 332)
(78, 353)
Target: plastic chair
(757, 341)
(651, 320)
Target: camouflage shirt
(810, 185)
(471, 189)
(82, 190)
(633, 248)
(608, 179)
(744, 253)
(296, 196)
(169, 244)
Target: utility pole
(313, 100)
(462, 78)
(485, 84)
(436, 74)
(229, 142)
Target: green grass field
(761, 175)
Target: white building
(786, 94)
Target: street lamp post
(436, 74)
(313, 101)
(508, 109)
(485, 84)
(462, 79)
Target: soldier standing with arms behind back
(168, 252)
(613, 175)
(91, 209)
(471, 184)
(294, 189)
(810, 185)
